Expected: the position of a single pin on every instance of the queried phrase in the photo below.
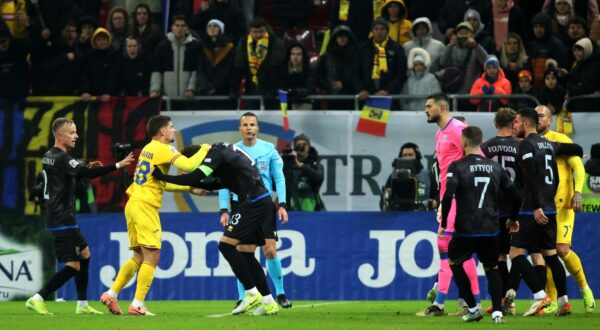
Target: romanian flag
(375, 115)
(283, 104)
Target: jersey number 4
(486, 181)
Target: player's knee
(73, 264)
(562, 249)
(269, 251)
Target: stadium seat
(303, 36)
(266, 12)
(319, 20)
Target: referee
(61, 172)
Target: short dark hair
(578, 20)
(59, 122)
(258, 22)
(178, 17)
(440, 97)
(472, 135)
(189, 151)
(155, 123)
(530, 115)
(504, 117)
(249, 114)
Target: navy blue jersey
(537, 163)
(503, 150)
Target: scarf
(345, 8)
(216, 54)
(501, 21)
(257, 54)
(379, 60)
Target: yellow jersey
(145, 187)
(567, 168)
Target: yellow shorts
(565, 219)
(143, 225)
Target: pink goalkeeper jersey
(448, 148)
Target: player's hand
(440, 233)
(224, 219)
(540, 217)
(512, 226)
(127, 160)
(282, 215)
(198, 191)
(577, 201)
(438, 216)
(157, 173)
(95, 164)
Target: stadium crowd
(543, 48)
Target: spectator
(258, 59)
(298, 77)
(337, 67)
(86, 28)
(117, 26)
(144, 29)
(382, 64)
(513, 58)
(576, 29)
(293, 13)
(225, 11)
(175, 62)
(420, 81)
(525, 87)
(135, 69)
(543, 47)
(581, 8)
(552, 94)
(100, 70)
(396, 14)
(530, 8)
(422, 36)
(60, 64)
(303, 176)
(453, 13)
(13, 67)
(584, 77)
(389, 198)
(464, 52)
(356, 14)
(508, 17)
(561, 17)
(216, 61)
(48, 17)
(492, 82)
(591, 188)
(482, 37)
(14, 13)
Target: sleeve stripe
(527, 155)
(174, 158)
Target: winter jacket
(434, 47)
(58, 75)
(298, 84)
(554, 97)
(391, 81)
(398, 31)
(135, 76)
(486, 86)
(584, 79)
(215, 66)
(456, 55)
(100, 68)
(174, 66)
(303, 184)
(418, 84)
(13, 71)
(151, 37)
(228, 13)
(545, 48)
(453, 11)
(360, 18)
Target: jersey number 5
(550, 176)
(141, 172)
(486, 181)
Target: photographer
(408, 187)
(303, 176)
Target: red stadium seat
(303, 36)
(319, 20)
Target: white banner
(20, 269)
(356, 164)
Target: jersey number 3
(141, 172)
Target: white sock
(268, 299)
(37, 297)
(435, 286)
(112, 294)
(585, 289)
(473, 310)
(441, 306)
(563, 300)
(496, 314)
(462, 302)
(82, 303)
(539, 295)
(252, 292)
(137, 304)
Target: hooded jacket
(228, 13)
(339, 64)
(545, 48)
(481, 34)
(215, 65)
(398, 31)
(303, 184)
(434, 47)
(390, 81)
(174, 66)
(456, 55)
(584, 78)
(418, 84)
(453, 12)
(482, 86)
(298, 84)
(100, 70)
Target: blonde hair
(521, 55)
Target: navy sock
(81, 279)
(558, 273)
(57, 280)
(238, 264)
(258, 274)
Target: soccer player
(503, 150)
(61, 172)
(270, 166)
(141, 212)
(537, 163)
(475, 182)
(448, 148)
(230, 167)
(568, 199)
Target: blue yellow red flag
(283, 104)
(375, 115)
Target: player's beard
(433, 119)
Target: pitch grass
(364, 315)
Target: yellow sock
(575, 268)
(125, 274)
(550, 288)
(144, 280)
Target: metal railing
(573, 100)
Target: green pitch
(364, 315)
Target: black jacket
(390, 81)
(298, 84)
(360, 18)
(215, 66)
(135, 76)
(59, 75)
(584, 79)
(339, 64)
(13, 71)
(303, 184)
(100, 72)
(230, 14)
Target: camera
(402, 192)
(121, 150)
(289, 157)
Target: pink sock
(471, 270)
(444, 276)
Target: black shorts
(461, 249)
(247, 221)
(68, 244)
(504, 236)
(535, 237)
(270, 224)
